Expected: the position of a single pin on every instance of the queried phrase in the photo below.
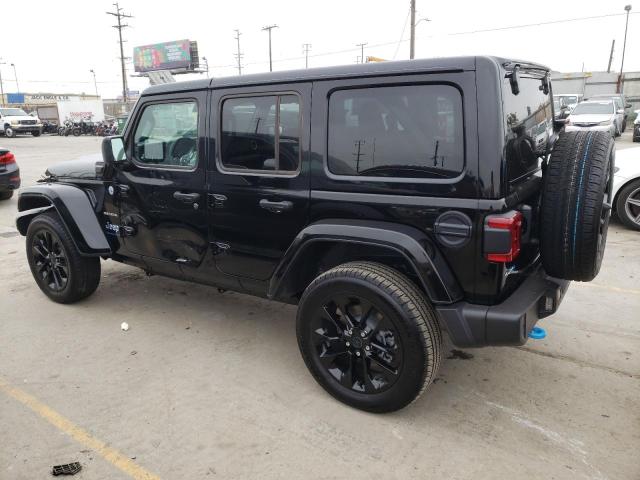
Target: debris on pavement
(460, 354)
(124, 326)
(67, 469)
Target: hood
(590, 118)
(83, 167)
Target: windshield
(599, 108)
(13, 112)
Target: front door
(161, 191)
(259, 195)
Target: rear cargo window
(411, 131)
(529, 124)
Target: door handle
(276, 207)
(186, 197)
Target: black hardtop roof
(446, 64)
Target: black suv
(389, 201)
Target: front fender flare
(75, 210)
(428, 263)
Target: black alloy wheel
(369, 336)
(357, 344)
(61, 272)
(50, 260)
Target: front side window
(261, 134)
(405, 131)
(167, 135)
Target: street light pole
(624, 47)
(268, 29)
(15, 74)
(412, 44)
(1, 85)
(95, 82)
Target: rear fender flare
(428, 264)
(75, 210)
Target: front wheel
(35, 134)
(368, 336)
(9, 132)
(56, 264)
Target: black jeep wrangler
(390, 202)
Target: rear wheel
(576, 205)
(58, 268)
(6, 195)
(628, 205)
(368, 336)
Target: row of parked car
(604, 112)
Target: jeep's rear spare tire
(576, 205)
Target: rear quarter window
(413, 131)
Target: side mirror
(628, 105)
(113, 151)
(514, 81)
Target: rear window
(411, 131)
(528, 124)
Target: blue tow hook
(537, 333)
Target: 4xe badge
(110, 190)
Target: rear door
(260, 184)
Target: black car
(390, 202)
(9, 174)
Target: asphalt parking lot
(211, 385)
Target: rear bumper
(508, 323)
(10, 178)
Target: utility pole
(119, 15)
(268, 29)
(620, 88)
(361, 45)
(238, 55)
(95, 82)
(412, 45)
(15, 75)
(206, 65)
(1, 85)
(305, 49)
(613, 44)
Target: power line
(404, 27)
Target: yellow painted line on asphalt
(81, 436)
(609, 287)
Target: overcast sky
(54, 44)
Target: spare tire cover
(576, 204)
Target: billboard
(164, 56)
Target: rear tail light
(7, 158)
(503, 236)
